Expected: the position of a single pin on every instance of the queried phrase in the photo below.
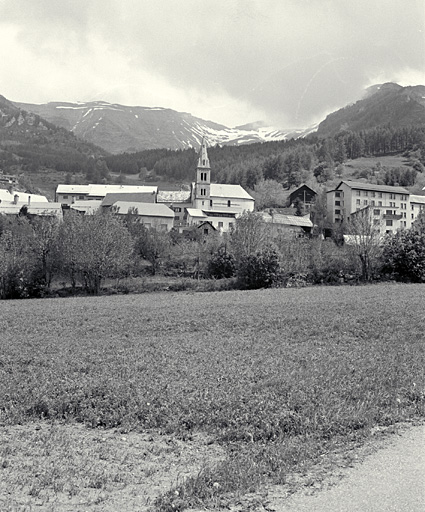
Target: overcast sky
(287, 62)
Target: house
(86, 207)
(390, 205)
(303, 193)
(12, 201)
(68, 194)
(152, 215)
(287, 225)
(178, 201)
(133, 197)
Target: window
(210, 203)
(203, 162)
(177, 217)
(365, 202)
(376, 212)
(337, 203)
(229, 203)
(372, 194)
(365, 193)
(404, 215)
(372, 203)
(413, 216)
(177, 209)
(337, 212)
(203, 192)
(357, 192)
(337, 194)
(413, 206)
(65, 197)
(388, 222)
(376, 222)
(379, 194)
(220, 225)
(205, 231)
(379, 203)
(163, 227)
(81, 197)
(230, 225)
(357, 201)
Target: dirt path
(390, 480)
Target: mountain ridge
(381, 105)
(119, 128)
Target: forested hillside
(29, 143)
(288, 162)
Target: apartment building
(393, 208)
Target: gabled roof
(144, 209)
(229, 191)
(134, 197)
(371, 186)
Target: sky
(285, 62)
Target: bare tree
(364, 236)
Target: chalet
(304, 194)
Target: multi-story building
(391, 207)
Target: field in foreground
(255, 385)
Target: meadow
(274, 380)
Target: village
(215, 207)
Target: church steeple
(203, 179)
(203, 160)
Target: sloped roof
(44, 209)
(144, 209)
(102, 190)
(417, 199)
(134, 197)
(86, 206)
(376, 188)
(173, 196)
(7, 197)
(229, 191)
(195, 212)
(290, 220)
(72, 189)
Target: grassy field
(275, 380)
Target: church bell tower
(203, 179)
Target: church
(215, 203)
(202, 202)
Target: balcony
(392, 216)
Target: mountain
(381, 105)
(29, 142)
(118, 128)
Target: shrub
(221, 265)
(404, 255)
(259, 270)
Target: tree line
(82, 252)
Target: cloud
(290, 62)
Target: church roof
(229, 191)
